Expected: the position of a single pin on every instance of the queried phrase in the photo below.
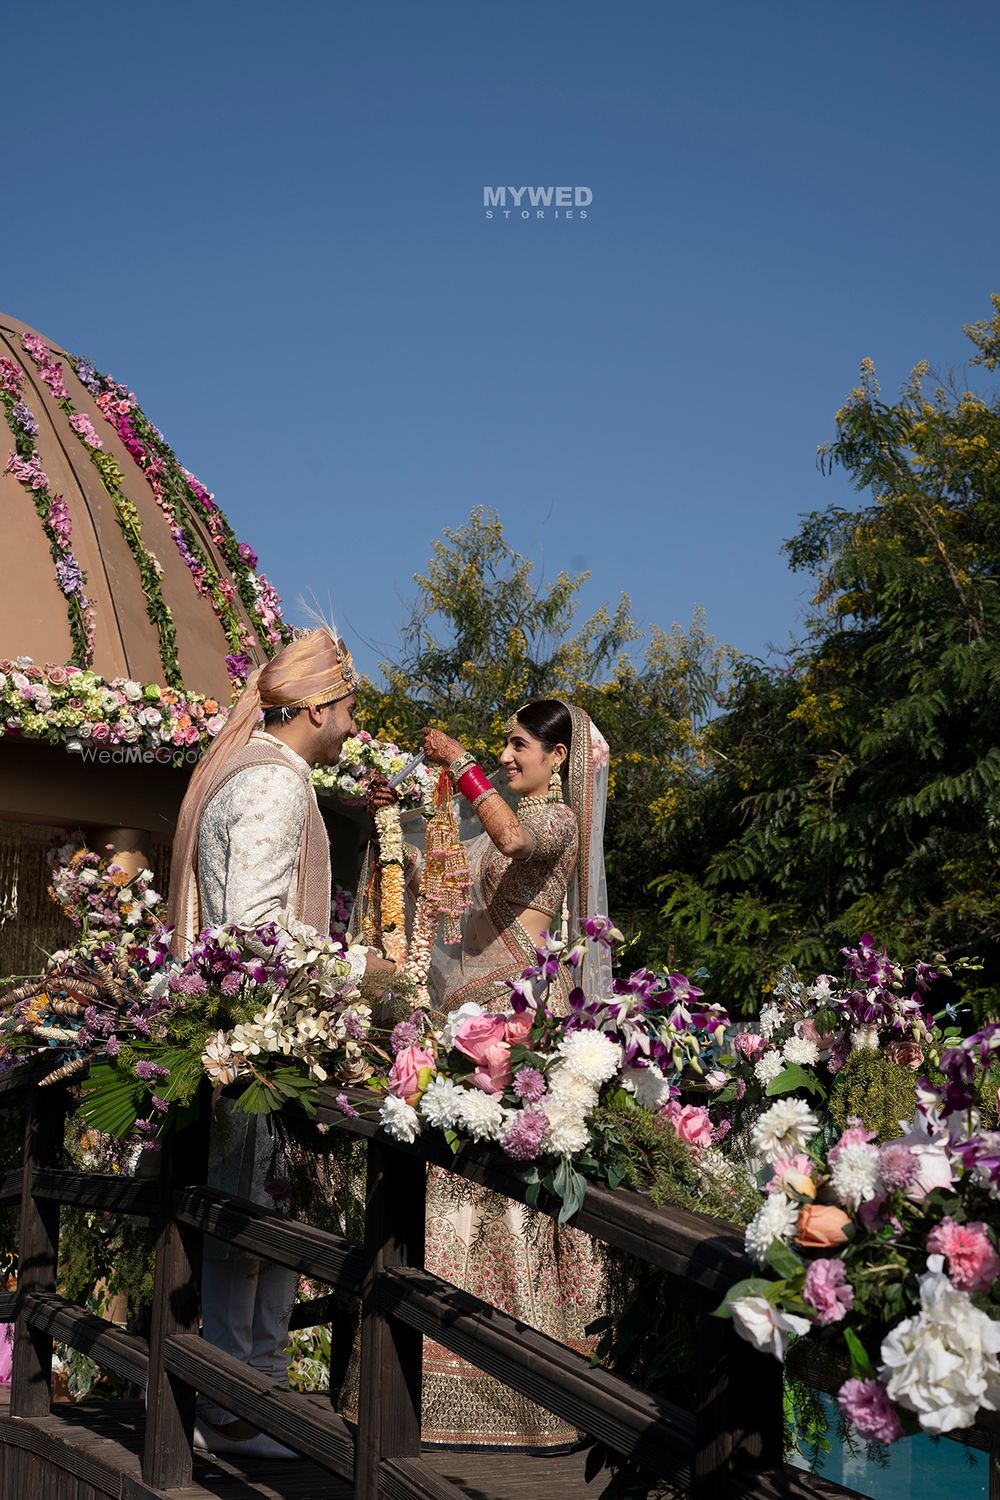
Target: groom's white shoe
(238, 1438)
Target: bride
(536, 870)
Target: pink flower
(100, 731)
(791, 1171)
(750, 1043)
(517, 1027)
(84, 428)
(493, 1072)
(866, 1404)
(691, 1122)
(973, 1264)
(854, 1135)
(215, 723)
(58, 676)
(411, 1073)
(477, 1033)
(828, 1290)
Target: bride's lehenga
(547, 1278)
(517, 1260)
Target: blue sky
(269, 222)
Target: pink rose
(411, 1073)
(100, 731)
(58, 676)
(750, 1043)
(854, 1135)
(518, 1026)
(477, 1033)
(493, 1072)
(691, 1122)
(810, 1032)
(973, 1264)
(828, 1291)
(906, 1054)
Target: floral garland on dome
(84, 712)
(177, 491)
(24, 463)
(50, 371)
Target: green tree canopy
(856, 787)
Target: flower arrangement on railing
(545, 1087)
(111, 910)
(877, 1231)
(77, 708)
(274, 1010)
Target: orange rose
(211, 706)
(821, 1226)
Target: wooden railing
(727, 1441)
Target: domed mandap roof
(129, 611)
(116, 558)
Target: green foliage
(855, 786)
(879, 1092)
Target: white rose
(765, 1326)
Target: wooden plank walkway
(93, 1448)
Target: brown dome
(139, 559)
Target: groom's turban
(314, 668)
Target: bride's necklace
(532, 804)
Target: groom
(250, 846)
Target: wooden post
(31, 1375)
(391, 1352)
(170, 1402)
(737, 1407)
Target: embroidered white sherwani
(248, 865)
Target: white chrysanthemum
(854, 1177)
(649, 1086)
(568, 1132)
(783, 1129)
(768, 1067)
(481, 1115)
(441, 1103)
(567, 1087)
(399, 1119)
(800, 1049)
(776, 1219)
(771, 1017)
(591, 1055)
(865, 1038)
(942, 1363)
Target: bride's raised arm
(502, 824)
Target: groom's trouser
(245, 1302)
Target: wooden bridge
(725, 1443)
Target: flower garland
(444, 887)
(118, 409)
(389, 834)
(86, 713)
(52, 511)
(51, 373)
(176, 490)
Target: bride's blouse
(539, 882)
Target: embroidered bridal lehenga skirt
(552, 1280)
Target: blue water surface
(920, 1468)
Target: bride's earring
(555, 785)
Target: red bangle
(473, 782)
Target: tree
(857, 787)
(484, 637)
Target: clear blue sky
(268, 221)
